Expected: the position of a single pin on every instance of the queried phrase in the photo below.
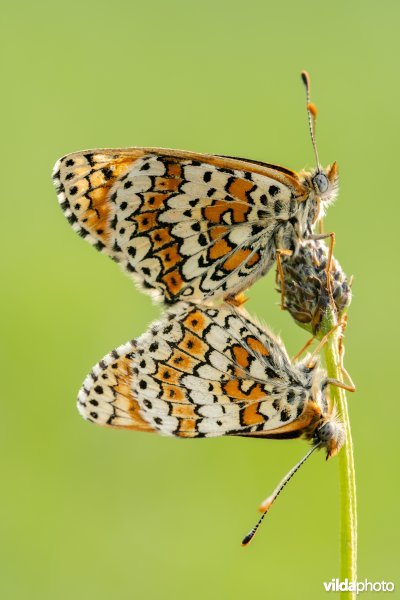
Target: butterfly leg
(303, 349)
(345, 373)
(340, 384)
(324, 236)
(283, 252)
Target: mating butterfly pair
(193, 229)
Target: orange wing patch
(216, 212)
(106, 397)
(256, 345)
(234, 261)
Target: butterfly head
(330, 434)
(325, 183)
(326, 429)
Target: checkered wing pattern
(183, 225)
(202, 372)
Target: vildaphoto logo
(335, 585)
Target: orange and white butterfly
(203, 371)
(189, 226)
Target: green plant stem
(346, 462)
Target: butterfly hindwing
(200, 372)
(106, 396)
(184, 225)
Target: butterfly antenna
(312, 115)
(268, 502)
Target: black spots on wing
(202, 239)
(127, 184)
(278, 207)
(89, 158)
(142, 384)
(65, 205)
(271, 373)
(255, 229)
(207, 176)
(291, 396)
(285, 415)
(107, 172)
(73, 190)
(123, 205)
(273, 190)
(69, 163)
(98, 389)
(72, 219)
(276, 404)
(210, 192)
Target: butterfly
(190, 226)
(202, 371)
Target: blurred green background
(100, 514)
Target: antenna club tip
(247, 539)
(305, 78)
(266, 504)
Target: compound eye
(321, 182)
(325, 432)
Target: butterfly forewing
(183, 225)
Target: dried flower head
(306, 295)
